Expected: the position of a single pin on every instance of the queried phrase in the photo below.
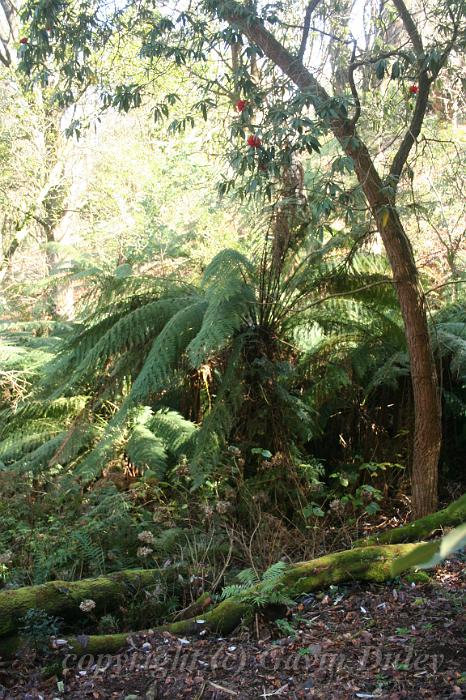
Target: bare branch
(353, 88)
(307, 25)
(420, 108)
(414, 128)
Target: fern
(177, 434)
(145, 450)
(257, 592)
(167, 351)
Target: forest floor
(391, 641)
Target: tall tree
(381, 197)
(69, 33)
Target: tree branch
(354, 91)
(252, 27)
(410, 27)
(307, 25)
(422, 98)
(5, 59)
(414, 129)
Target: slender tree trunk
(427, 407)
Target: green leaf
(429, 554)
(380, 67)
(395, 70)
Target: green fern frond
(133, 330)
(31, 435)
(248, 577)
(167, 351)
(146, 450)
(176, 433)
(61, 409)
(226, 264)
(273, 573)
(37, 460)
(390, 372)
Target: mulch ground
(389, 641)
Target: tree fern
(218, 423)
(177, 434)
(146, 450)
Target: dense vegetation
(233, 312)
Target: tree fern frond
(167, 351)
(390, 372)
(38, 459)
(226, 264)
(61, 408)
(31, 435)
(133, 330)
(176, 433)
(146, 450)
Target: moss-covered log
(453, 515)
(362, 564)
(63, 598)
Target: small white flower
(222, 506)
(6, 557)
(87, 605)
(208, 510)
(146, 537)
(144, 551)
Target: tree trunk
(64, 597)
(427, 407)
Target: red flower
(413, 89)
(24, 40)
(254, 141)
(240, 105)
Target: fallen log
(63, 598)
(453, 515)
(363, 564)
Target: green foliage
(146, 451)
(37, 626)
(260, 591)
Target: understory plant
(242, 389)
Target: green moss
(362, 564)
(453, 515)
(98, 643)
(63, 597)
(418, 577)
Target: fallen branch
(362, 564)
(453, 515)
(63, 598)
